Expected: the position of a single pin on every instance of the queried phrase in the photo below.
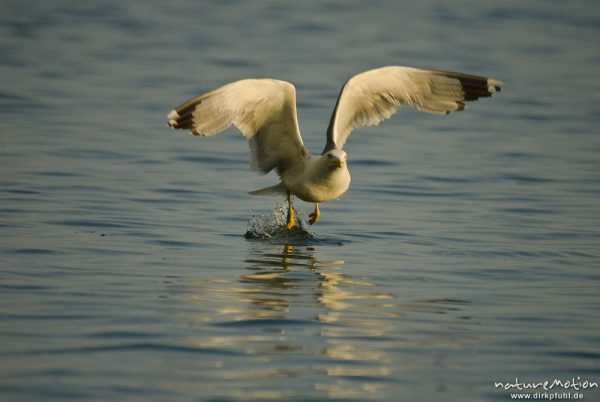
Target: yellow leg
(290, 222)
(314, 217)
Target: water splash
(272, 226)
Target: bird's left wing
(375, 95)
(264, 110)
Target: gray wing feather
(375, 95)
(264, 110)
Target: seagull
(264, 110)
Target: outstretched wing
(264, 110)
(375, 95)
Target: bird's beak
(338, 163)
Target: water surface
(466, 251)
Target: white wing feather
(375, 95)
(264, 110)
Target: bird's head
(336, 158)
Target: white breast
(317, 182)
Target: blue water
(466, 252)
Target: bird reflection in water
(295, 315)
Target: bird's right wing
(264, 110)
(375, 95)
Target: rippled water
(466, 251)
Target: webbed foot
(290, 221)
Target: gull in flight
(264, 110)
